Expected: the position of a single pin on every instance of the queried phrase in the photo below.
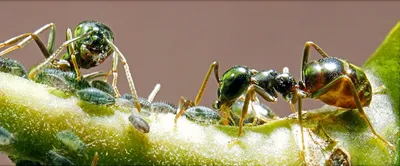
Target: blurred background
(174, 42)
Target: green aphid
(6, 138)
(102, 85)
(13, 67)
(61, 79)
(70, 140)
(57, 159)
(202, 114)
(95, 96)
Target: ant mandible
(92, 44)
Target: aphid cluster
(329, 79)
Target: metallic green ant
(92, 44)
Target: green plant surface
(34, 115)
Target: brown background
(173, 43)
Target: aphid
(70, 140)
(145, 103)
(95, 96)
(6, 138)
(162, 107)
(139, 123)
(196, 113)
(334, 82)
(241, 80)
(90, 45)
(202, 114)
(13, 67)
(339, 157)
(103, 86)
(57, 159)
(64, 80)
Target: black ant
(92, 44)
(241, 80)
(334, 82)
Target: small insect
(196, 113)
(334, 82)
(6, 138)
(163, 107)
(90, 45)
(145, 103)
(13, 67)
(70, 140)
(241, 80)
(339, 157)
(95, 96)
(139, 123)
(57, 159)
(64, 80)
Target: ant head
(93, 49)
(285, 83)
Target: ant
(333, 81)
(240, 80)
(91, 46)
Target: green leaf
(35, 117)
(385, 63)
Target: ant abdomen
(323, 71)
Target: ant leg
(27, 37)
(213, 66)
(154, 93)
(358, 103)
(306, 53)
(128, 74)
(300, 118)
(37, 68)
(250, 92)
(182, 106)
(95, 159)
(71, 52)
(94, 75)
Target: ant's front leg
(249, 94)
(27, 37)
(213, 66)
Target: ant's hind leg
(213, 66)
(27, 37)
(358, 103)
(128, 74)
